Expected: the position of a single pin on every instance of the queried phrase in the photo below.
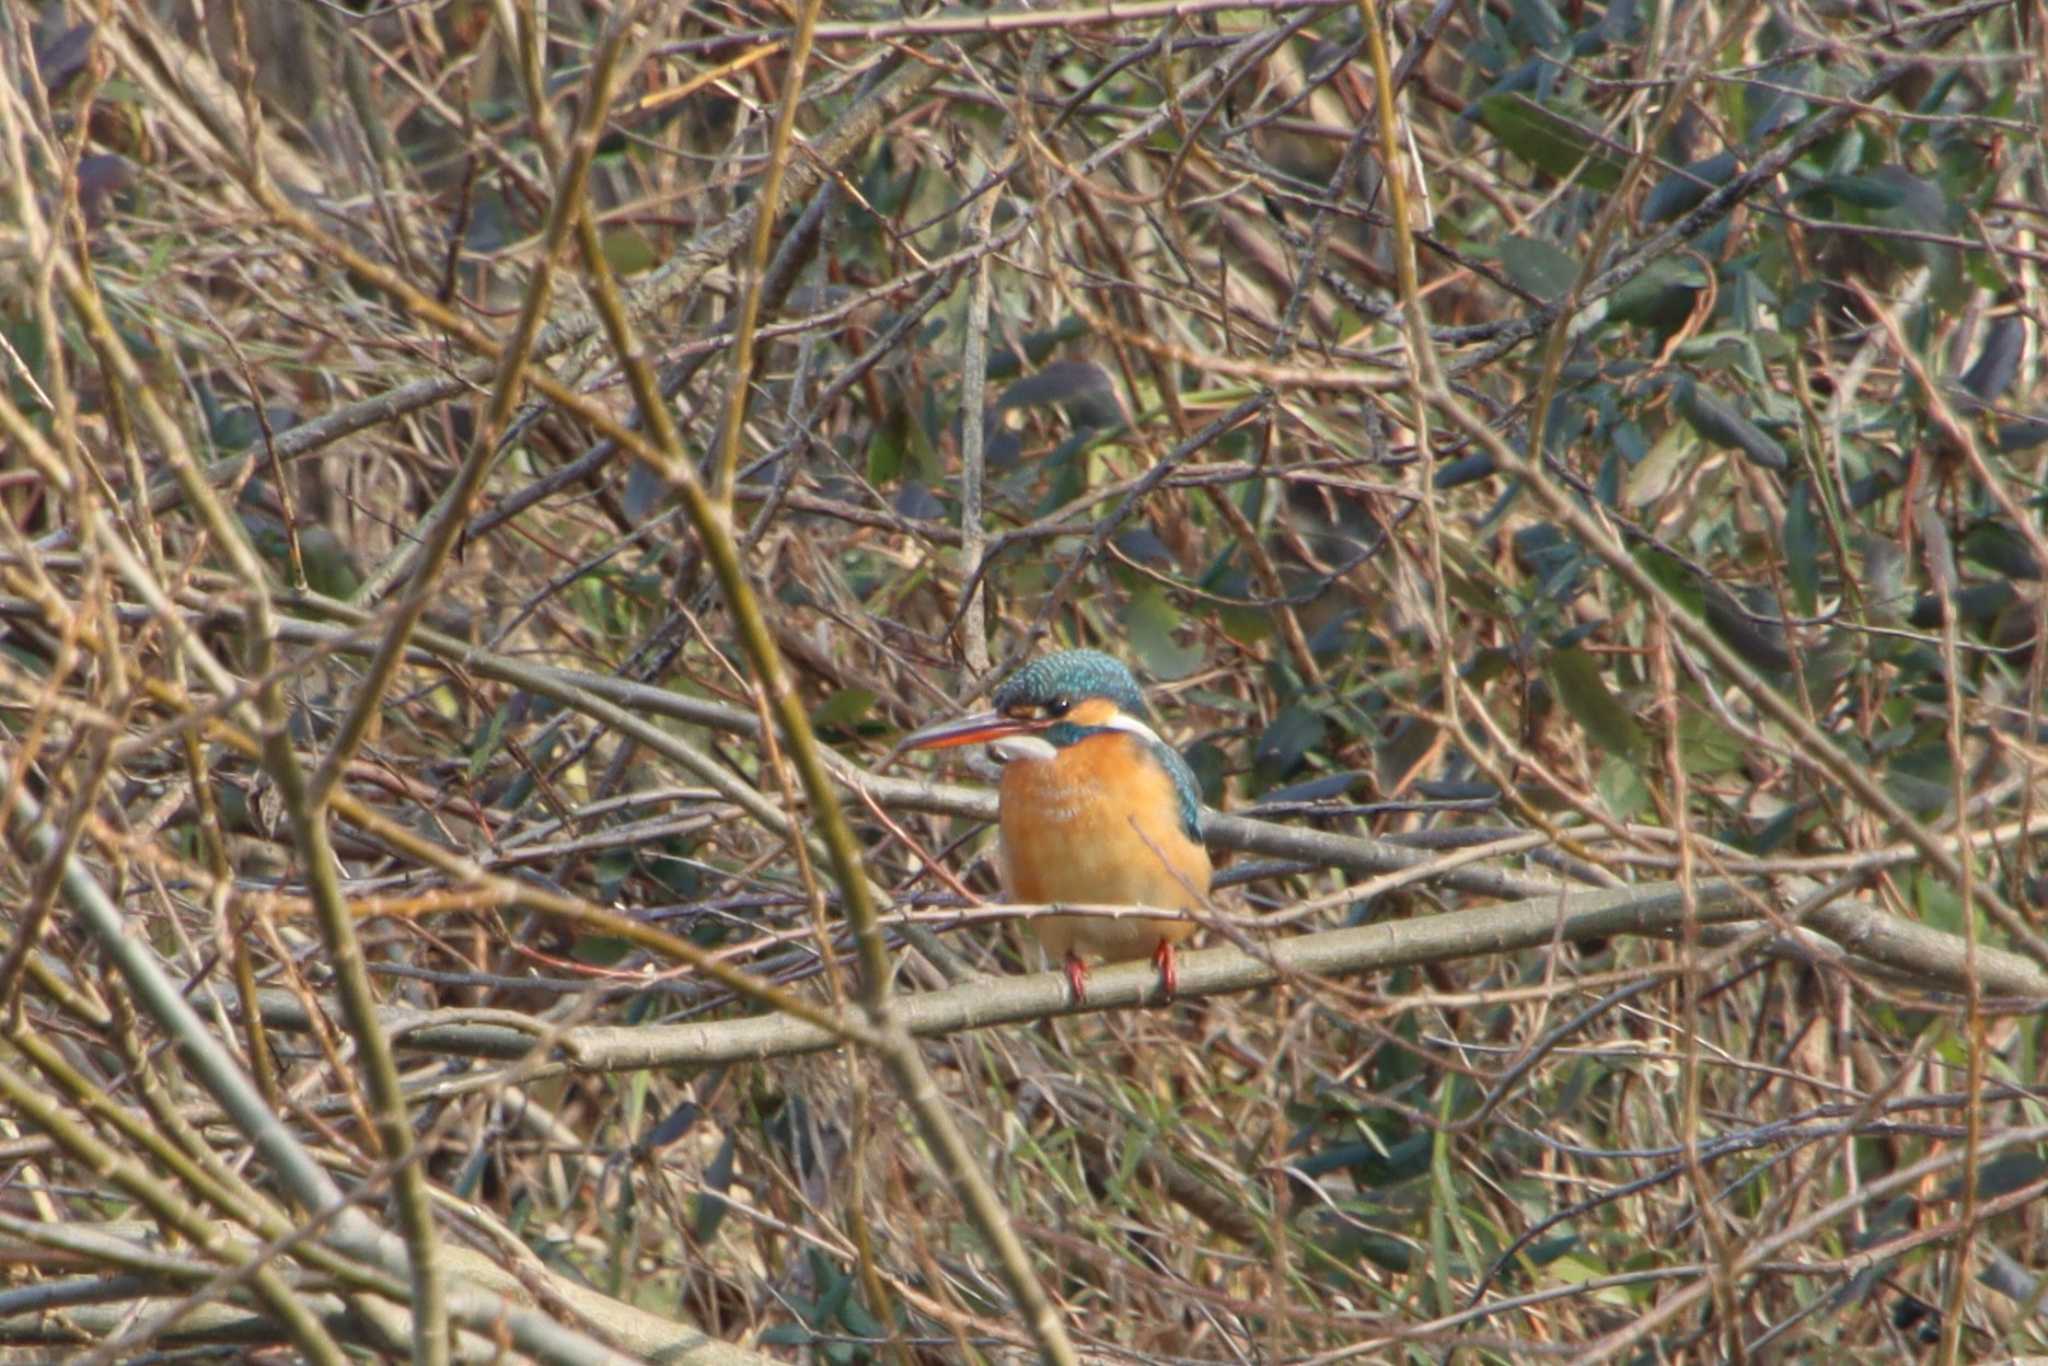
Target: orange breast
(1099, 823)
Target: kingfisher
(1095, 809)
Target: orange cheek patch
(1095, 711)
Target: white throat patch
(1134, 726)
(1012, 748)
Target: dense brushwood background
(1655, 559)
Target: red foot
(1077, 976)
(1169, 969)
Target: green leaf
(1549, 141)
(1706, 747)
(843, 709)
(1211, 768)
(1249, 625)
(1886, 593)
(1997, 547)
(1662, 296)
(712, 1206)
(1759, 638)
(885, 452)
(1082, 388)
(1037, 346)
(1621, 788)
(1574, 1270)
(1897, 197)
(1660, 469)
(1576, 677)
(628, 251)
(1802, 549)
(1544, 270)
(486, 745)
(1294, 733)
(1674, 578)
(1352, 1241)
(1921, 778)
(602, 950)
(1872, 192)
(672, 862)
(1371, 1162)
(1939, 906)
(1680, 191)
(1544, 1251)
(857, 1320)
(2001, 1176)
(1720, 422)
(1538, 24)
(1149, 624)
(330, 568)
(1992, 373)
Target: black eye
(1058, 707)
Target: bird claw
(1169, 969)
(1163, 958)
(1077, 976)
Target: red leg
(1077, 976)
(1169, 969)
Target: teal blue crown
(1073, 675)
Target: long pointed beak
(980, 728)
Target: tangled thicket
(485, 486)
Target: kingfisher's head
(1061, 700)
(1046, 705)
